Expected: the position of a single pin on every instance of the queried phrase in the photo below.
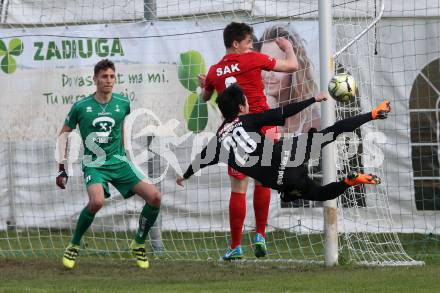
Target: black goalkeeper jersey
(241, 145)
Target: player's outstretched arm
(277, 116)
(208, 156)
(62, 176)
(290, 64)
(294, 108)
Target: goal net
(47, 52)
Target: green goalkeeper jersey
(100, 126)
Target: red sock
(237, 213)
(261, 208)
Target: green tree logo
(15, 48)
(191, 64)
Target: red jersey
(245, 70)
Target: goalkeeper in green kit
(100, 118)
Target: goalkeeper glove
(62, 177)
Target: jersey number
(230, 80)
(242, 139)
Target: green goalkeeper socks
(146, 220)
(85, 220)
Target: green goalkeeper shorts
(122, 176)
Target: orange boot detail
(381, 111)
(355, 178)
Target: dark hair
(229, 101)
(236, 32)
(103, 65)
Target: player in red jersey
(243, 66)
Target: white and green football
(342, 87)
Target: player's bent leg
(148, 192)
(96, 201)
(147, 218)
(346, 125)
(239, 181)
(96, 197)
(329, 191)
(352, 123)
(316, 193)
(261, 210)
(237, 209)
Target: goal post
(328, 118)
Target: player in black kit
(281, 165)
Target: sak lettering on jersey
(227, 69)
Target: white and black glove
(62, 177)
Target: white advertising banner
(49, 69)
(45, 70)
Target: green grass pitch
(35, 266)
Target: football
(342, 87)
